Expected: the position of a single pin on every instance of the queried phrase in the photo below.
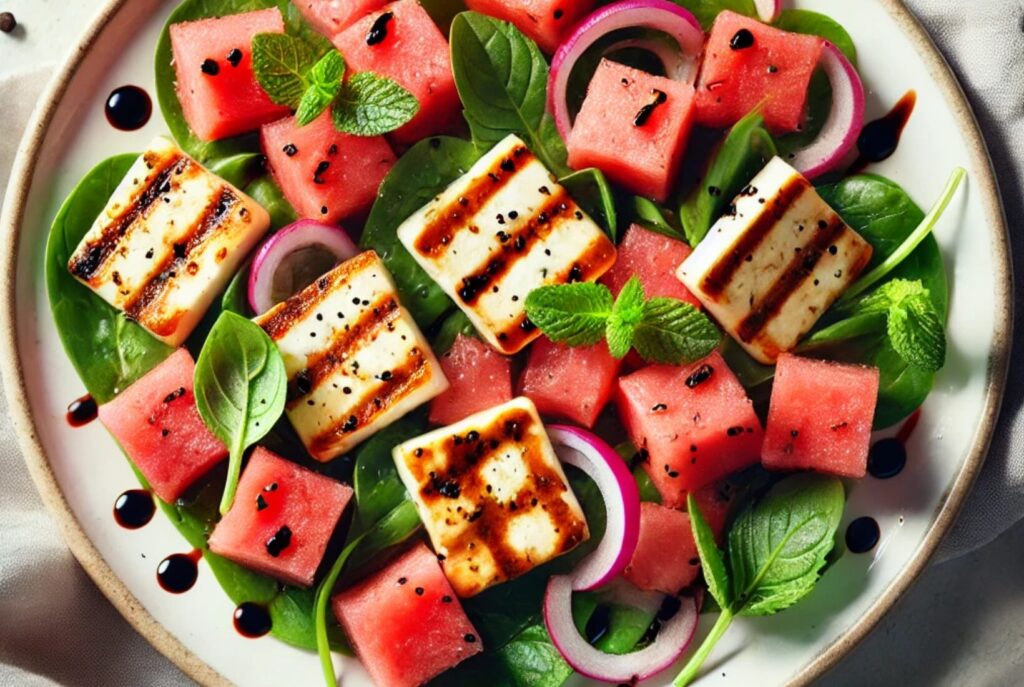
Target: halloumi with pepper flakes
(168, 241)
(500, 231)
(775, 263)
(356, 361)
(492, 495)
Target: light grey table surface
(961, 624)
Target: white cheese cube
(356, 360)
(502, 230)
(772, 266)
(168, 242)
(492, 496)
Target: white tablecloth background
(962, 624)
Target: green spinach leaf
(711, 561)
(650, 215)
(239, 170)
(265, 192)
(591, 190)
(455, 325)
(379, 489)
(707, 10)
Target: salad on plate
(501, 341)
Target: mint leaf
(711, 562)
(280, 63)
(917, 334)
(324, 83)
(371, 105)
(573, 314)
(673, 332)
(627, 313)
(889, 294)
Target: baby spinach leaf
(451, 328)
(711, 559)
(817, 24)
(707, 10)
(268, 194)
(591, 190)
(240, 388)
(108, 350)
(502, 79)
(530, 659)
(236, 296)
(425, 170)
(378, 487)
(324, 83)
(371, 105)
(650, 215)
(443, 12)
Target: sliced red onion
(602, 464)
(659, 15)
(845, 120)
(768, 10)
(670, 643)
(292, 258)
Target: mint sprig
(323, 83)
(914, 324)
(662, 330)
(370, 105)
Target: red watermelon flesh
(695, 423)
(330, 17)
(547, 22)
(405, 622)
(570, 383)
(157, 424)
(836, 436)
(665, 559)
(479, 378)
(326, 175)
(640, 152)
(653, 258)
(774, 69)
(413, 53)
(282, 519)
(218, 92)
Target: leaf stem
(323, 594)
(910, 245)
(696, 661)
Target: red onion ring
(659, 15)
(602, 464)
(845, 120)
(768, 10)
(297, 236)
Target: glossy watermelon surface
(325, 175)
(653, 258)
(157, 424)
(405, 622)
(281, 520)
(820, 416)
(479, 378)
(694, 422)
(220, 96)
(749, 64)
(633, 126)
(570, 383)
(330, 17)
(547, 22)
(665, 559)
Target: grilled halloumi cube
(503, 229)
(492, 495)
(169, 240)
(356, 361)
(771, 267)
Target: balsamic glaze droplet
(178, 572)
(879, 139)
(862, 535)
(252, 620)
(379, 30)
(128, 108)
(82, 411)
(134, 509)
(887, 458)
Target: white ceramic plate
(81, 472)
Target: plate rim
(199, 670)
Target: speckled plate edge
(119, 595)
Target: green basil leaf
(502, 79)
(529, 659)
(591, 190)
(918, 333)
(240, 388)
(673, 333)
(650, 215)
(371, 105)
(323, 85)
(711, 560)
(573, 314)
(626, 314)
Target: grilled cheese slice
(502, 230)
(168, 242)
(492, 495)
(356, 361)
(772, 266)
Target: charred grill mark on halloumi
(168, 241)
(505, 228)
(771, 267)
(355, 359)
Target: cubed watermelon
(835, 437)
(410, 49)
(326, 175)
(213, 62)
(157, 424)
(633, 126)
(479, 378)
(665, 558)
(695, 423)
(545, 21)
(570, 383)
(653, 258)
(282, 519)
(330, 17)
(746, 64)
(405, 622)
